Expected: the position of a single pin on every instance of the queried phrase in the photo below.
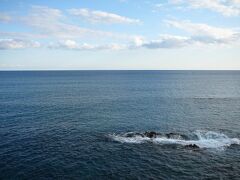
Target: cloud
(158, 7)
(204, 34)
(200, 29)
(102, 17)
(137, 41)
(22, 35)
(236, 2)
(225, 7)
(200, 35)
(4, 17)
(51, 22)
(73, 45)
(168, 41)
(17, 44)
(52, 25)
(164, 41)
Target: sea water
(76, 124)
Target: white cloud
(51, 22)
(236, 2)
(52, 25)
(73, 45)
(17, 44)
(164, 41)
(168, 41)
(200, 35)
(205, 34)
(137, 41)
(200, 29)
(22, 35)
(159, 5)
(4, 17)
(102, 17)
(225, 7)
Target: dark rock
(192, 146)
(150, 134)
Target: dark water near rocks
(75, 124)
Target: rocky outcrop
(192, 146)
(151, 134)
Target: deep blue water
(75, 124)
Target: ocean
(96, 124)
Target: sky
(119, 34)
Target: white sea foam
(205, 139)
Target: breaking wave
(197, 139)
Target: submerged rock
(192, 146)
(151, 134)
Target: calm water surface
(76, 124)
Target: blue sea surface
(92, 124)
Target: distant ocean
(96, 125)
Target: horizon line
(1, 70)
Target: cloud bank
(73, 45)
(53, 26)
(17, 44)
(102, 17)
(225, 7)
(51, 22)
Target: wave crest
(199, 138)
